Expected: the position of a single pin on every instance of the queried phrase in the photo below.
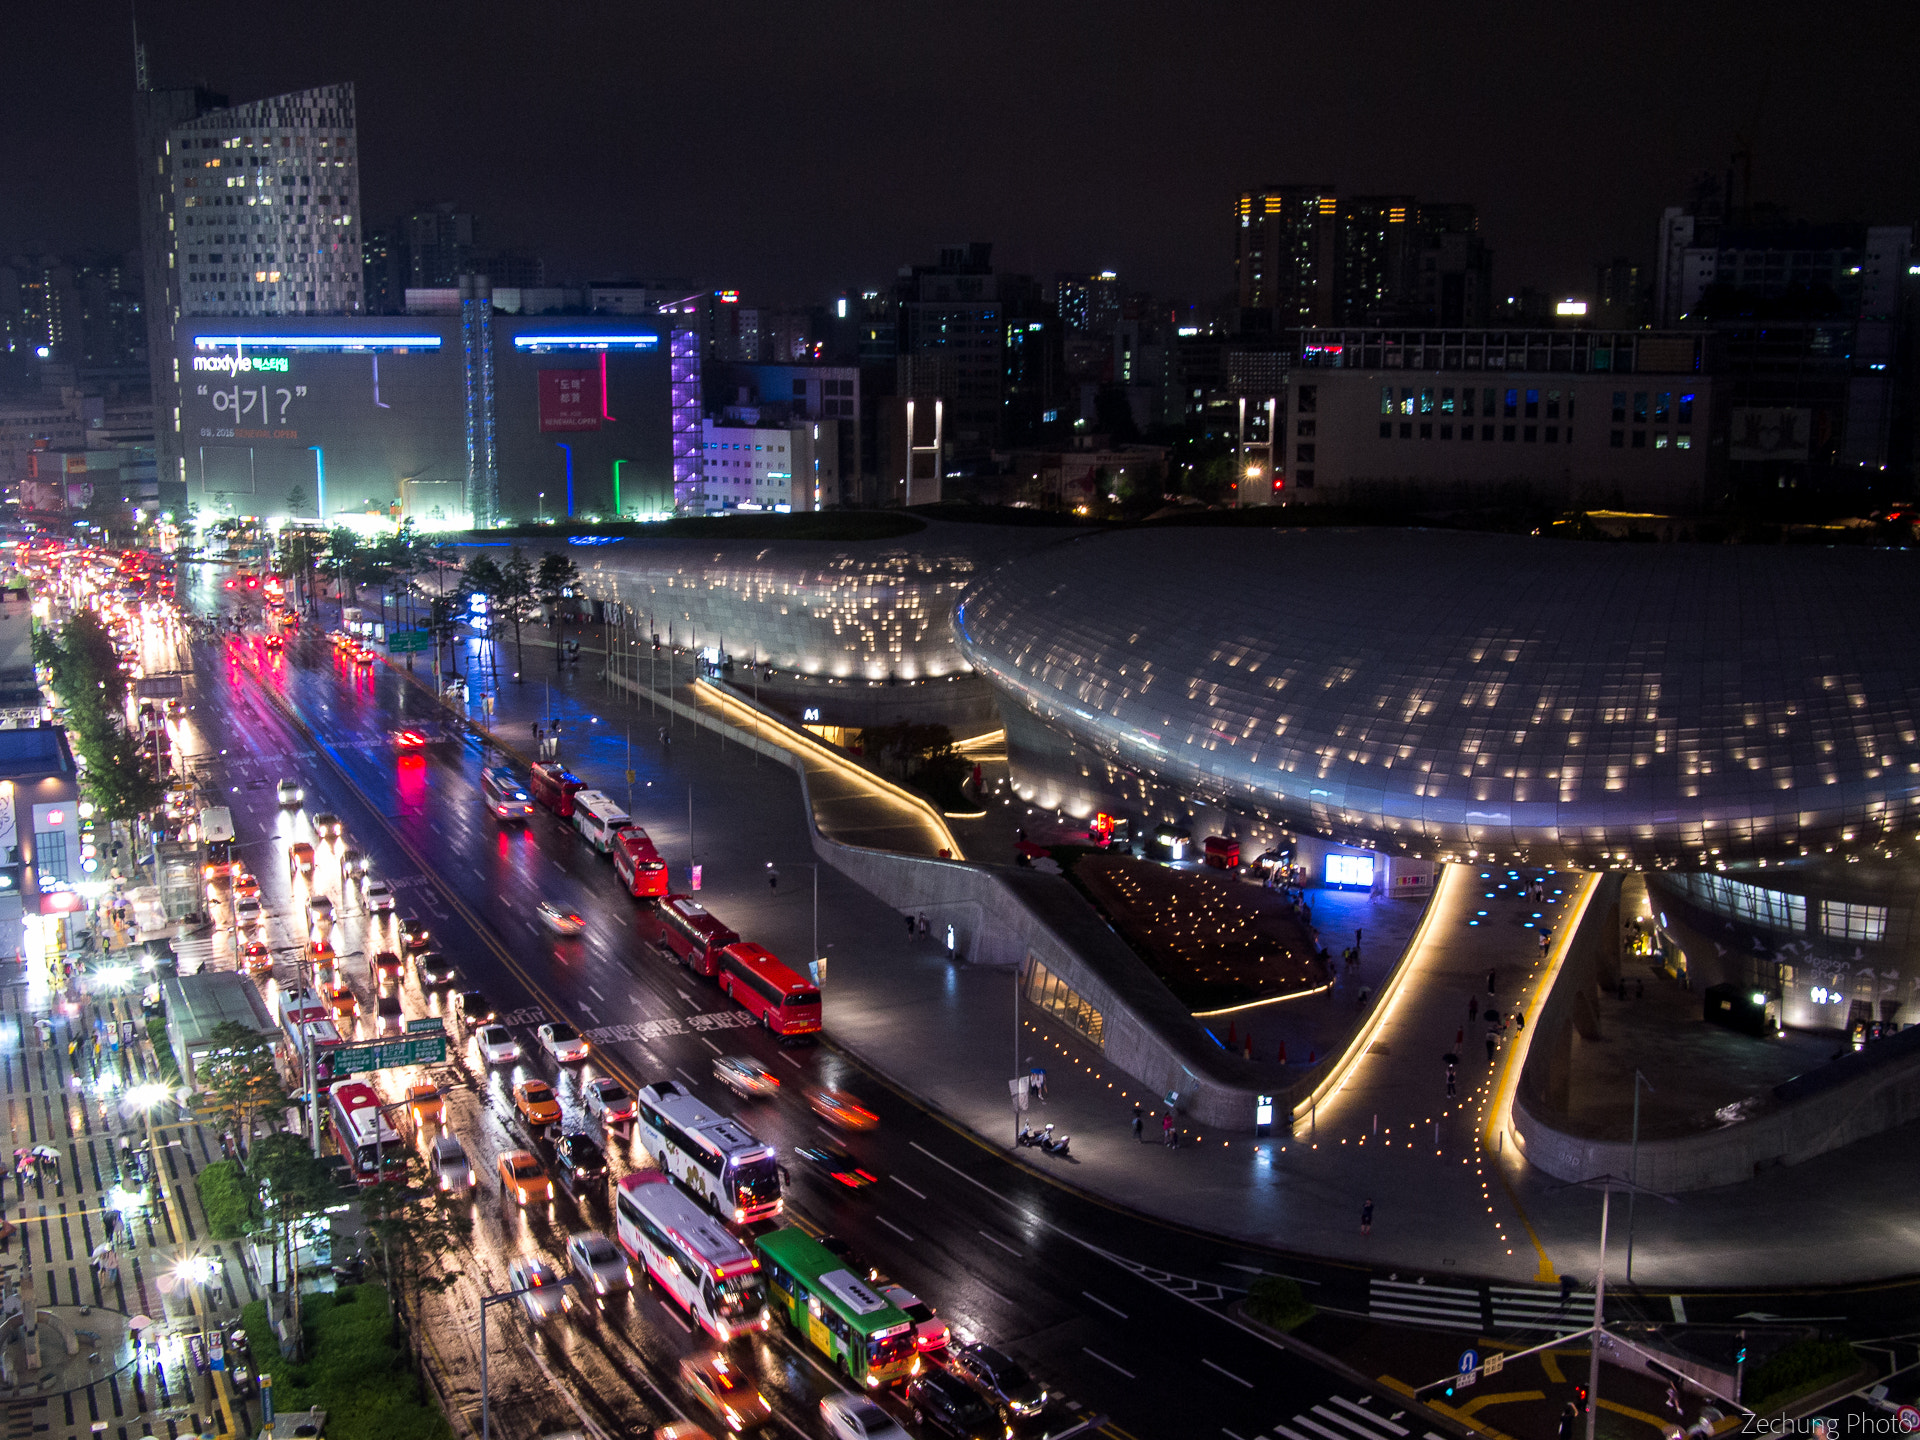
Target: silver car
(544, 1295)
(376, 895)
(449, 1166)
(290, 792)
(601, 1265)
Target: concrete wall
(1005, 917)
(1864, 1095)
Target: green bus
(812, 1289)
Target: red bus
(691, 934)
(637, 863)
(554, 786)
(786, 1003)
(373, 1148)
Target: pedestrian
(1166, 1129)
(773, 879)
(1365, 995)
(1366, 1218)
(923, 925)
(1459, 1037)
(909, 920)
(1473, 1008)
(1543, 941)
(1492, 1045)
(1492, 975)
(1138, 1120)
(1356, 942)
(1673, 1400)
(1452, 1090)
(1519, 1021)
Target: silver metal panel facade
(1436, 693)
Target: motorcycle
(1051, 1145)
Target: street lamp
(569, 449)
(774, 877)
(320, 481)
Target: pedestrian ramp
(1439, 1307)
(1537, 1307)
(1342, 1419)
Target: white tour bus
(599, 818)
(693, 1257)
(715, 1157)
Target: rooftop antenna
(139, 51)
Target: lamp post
(543, 507)
(818, 958)
(486, 1414)
(320, 482)
(1633, 1167)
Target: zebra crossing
(1343, 1419)
(1479, 1309)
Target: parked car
(930, 1332)
(448, 1164)
(745, 1076)
(608, 1102)
(562, 1042)
(599, 1263)
(497, 1045)
(535, 1101)
(580, 1164)
(523, 1179)
(855, 1417)
(542, 1296)
(1017, 1394)
(943, 1401)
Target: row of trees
(87, 675)
(517, 587)
(416, 1228)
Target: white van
(598, 818)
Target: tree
(86, 674)
(239, 1077)
(341, 562)
(294, 1184)
(554, 581)
(297, 498)
(516, 600)
(418, 1229)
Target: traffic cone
(1231, 1042)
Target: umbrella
(103, 1248)
(139, 1323)
(1451, 1059)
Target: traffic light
(1580, 1399)
(1740, 1355)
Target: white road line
(908, 1188)
(596, 994)
(690, 1079)
(1001, 1243)
(1103, 1304)
(790, 1060)
(1225, 1431)
(710, 1045)
(895, 1228)
(1226, 1372)
(1384, 1422)
(683, 994)
(676, 1316)
(1108, 1363)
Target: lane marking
(683, 995)
(790, 1060)
(710, 1045)
(908, 1188)
(1225, 1431)
(690, 1079)
(1103, 1304)
(1002, 1244)
(1226, 1372)
(676, 1316)
(596, 994)
(895, 1228)
(1109, 1364)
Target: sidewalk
(945, 1035)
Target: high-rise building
(245, 210)
(1284, 254)
(951, 345)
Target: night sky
(799, 149)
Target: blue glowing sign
(1350, 870)
(585, 342)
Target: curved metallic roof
(1432, 692)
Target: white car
(291, 793)
(246, 912)
(497, 1045)
(455, 689)
(377, 896)
(599, 1263)
(562, 1042)
(319, 912)
(930, 1332)
(545, 1295)
(561, 922)
(608, 1101)
(855, 1417)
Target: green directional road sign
(390, 1054)
(401, 641)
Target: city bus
(598, 818)
(857, 1329)
(690, 933)
(712, 1276)
(373, 1148)
(308, 1030)
(554, 786)
(504, 794)
(714, 1157)
(753, 977)
(638, 864)
(216, 841)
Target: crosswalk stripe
(1412, 1289)
(1380, 1420)
(1333, 1418)
(1319, 1429)
(1287, 1434)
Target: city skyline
(1067, 148)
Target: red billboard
(569, 400)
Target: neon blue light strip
(323, 342)
(585, 342)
